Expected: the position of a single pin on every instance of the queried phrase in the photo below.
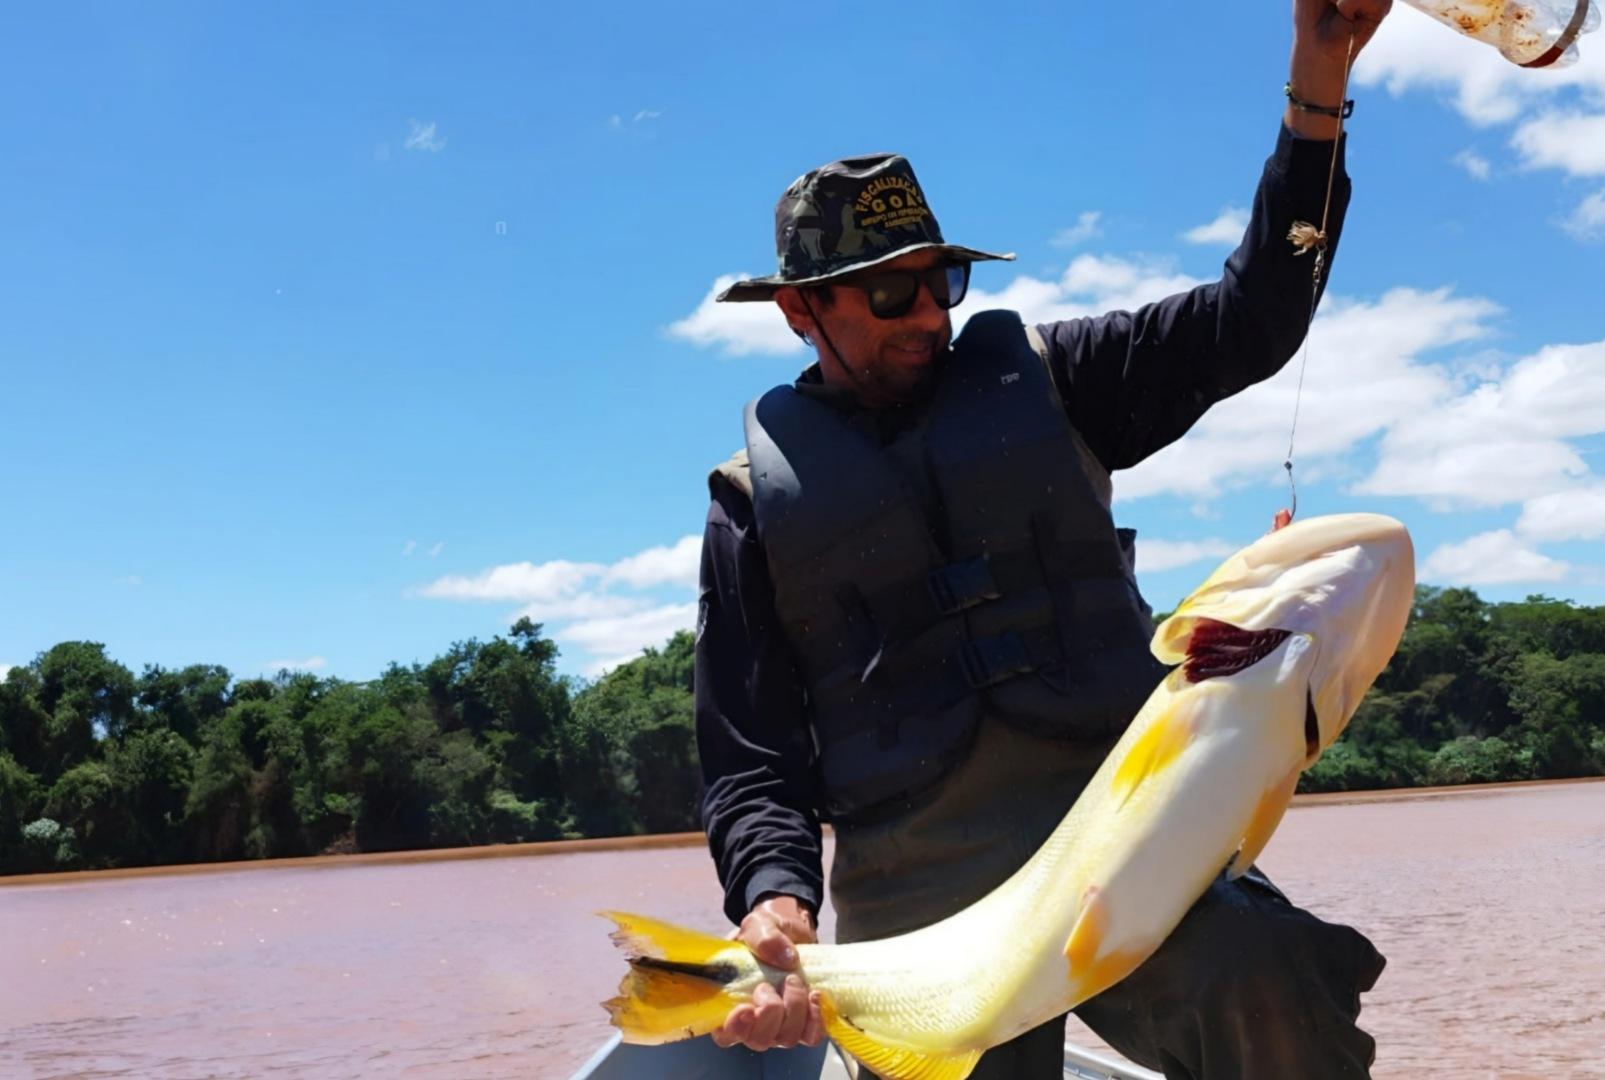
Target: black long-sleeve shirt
(1131, 382)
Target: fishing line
(1305, 238)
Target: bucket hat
(846, 216)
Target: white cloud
(736, 329)
(311, 663)
(1110, 283)
(608, 611)
(618, 639)
(1085, 228)
(1448, 468)
(1090, 285)
(1569, 141)
(617, 122)
(1578, 514)
(518, 582)
(1499, 442)
(1474, 163)
(408, 548)
(423, 136)
(5, 669)
(584, 605)
(131, 580)
(1509, 557)
(1227, 228)
(1156, 555)
(677, 565)
(1364, 375)
(1587, 222)
(437, 549)
(1490, 558)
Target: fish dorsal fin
(895, 1062)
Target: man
(919, 622)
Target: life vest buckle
(962, 585)
(988, 661)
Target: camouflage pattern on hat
(848, 215)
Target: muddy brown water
(1490, 905)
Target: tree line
(1479, 693)
(484, 744)
(488, 744)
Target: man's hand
(1324, 26)
(1321, 32)
(773, 1019)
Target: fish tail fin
(678, 986)
(890, 1060)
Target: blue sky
(328, 338)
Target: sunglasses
(891, 293)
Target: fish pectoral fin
(1160, 744)
(892, 1061)
(1267, 815)
(1092, 970)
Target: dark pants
(1247, 987)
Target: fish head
(1346, 581)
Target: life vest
(968, 565)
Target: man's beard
(898, 386)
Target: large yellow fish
(1275, 651)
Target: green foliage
(486, 743)
(219, 806)
(85, 799)
(1470, 760)
(85, 695)
(184, 700)
(1343, 768)
(46, 845)
(632, 747)
(21, 799)
(1479, 693)
(152, 770)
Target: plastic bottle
(1532, 33)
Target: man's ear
(796, 312)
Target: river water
(1490, 906)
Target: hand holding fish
(774, 1018)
